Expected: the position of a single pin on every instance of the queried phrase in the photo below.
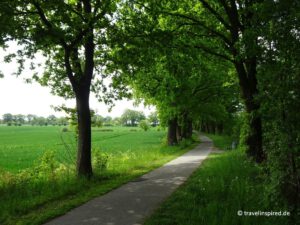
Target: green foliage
(65, 129)
(224, 184)
(280, 98)
(97, 120)
(221, 142)
(46, 166)
(144, 124)
(100, 160)
(132, 117)
(153, 119)
(185, 143)
(190, 59)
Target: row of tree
(203, 63)
(221, 66)
(31, 119)
(128, 118)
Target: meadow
(21, 146)
(37, 175)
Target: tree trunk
(187, 128)
(254, 139)
(172, 125)
(190, 129)
(84, 165)
(178, 132)
(248, 85)
(220, 128)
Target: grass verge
(221, 141)
(226, 184)
(47, 190)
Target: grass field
(21, 146)
(35, 185)
(225, 184)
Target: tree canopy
(215, 65)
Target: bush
(100, 160)
(65, 129)
(144, 124)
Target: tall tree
(72, 35)
(224, 29)
(279, 83)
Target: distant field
(21, 146)
(48, 189)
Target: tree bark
(248, 85)
(254, 138)
(84, 165)
(187, 128)
(172, 138)
(178, 132)
(190, 129)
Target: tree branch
(216, 14)
(89, 46)
(69, 69)
(212, 52)
(200, 23)
(76, 12)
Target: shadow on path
(132, 202)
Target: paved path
(132, 202)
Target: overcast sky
(18, 97)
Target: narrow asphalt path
(132, 202)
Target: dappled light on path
(132, 202)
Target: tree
(62, 121)
(30, 118)
(52, 120)
(132, 117)
(40, 121)
(19, 119)
(117, 121)
(71, 34)
(7, 118)
(223, 29)
(153, 119)
(161, 67)
(107, 121)
(279, 82)
(97, 120)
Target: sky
(19, 97)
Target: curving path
(134, 201)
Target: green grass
(221, 141)
(225, 183)
(20, 147)
(45, 185)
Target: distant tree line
(128, 118)
(34, 120)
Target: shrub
(65, 129)
(144, 124)
(100, 160)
